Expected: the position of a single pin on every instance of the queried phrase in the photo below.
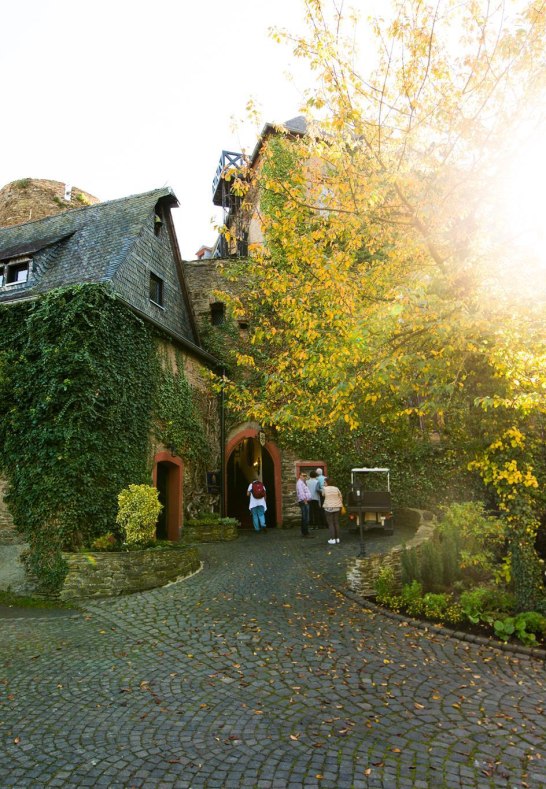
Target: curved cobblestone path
(257, 672)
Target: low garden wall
(215, 532)
(107, 574)
(363, 571)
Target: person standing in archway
(303, 495)
(258, 505)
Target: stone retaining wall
(362, 572)
(214, 533)
(109, 574)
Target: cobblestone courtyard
(259, 672)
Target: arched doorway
(247, 459)
(167, 478)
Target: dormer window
(15, 271)
(156, 289)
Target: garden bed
(453, 574)
(479, 633)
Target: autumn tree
(400, 272)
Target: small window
(243, 325)
(15, 272)
(18, 273)
(217, 313)
(156, 289)
(158, 224)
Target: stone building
(249, 451)
(129, 246)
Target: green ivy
(422, 474)
(80, 378)
(179, 422)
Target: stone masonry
(111, 574)
(363, 571)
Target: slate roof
(297, 126)
(80, 246)
(114, 243)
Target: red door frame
(174, 492)
(275, 455)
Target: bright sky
(118, 97)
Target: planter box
(104, 574)
(214, 533)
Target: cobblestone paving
(257, 672)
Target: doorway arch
(167, 478)
(245, 459)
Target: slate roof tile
(88, 244)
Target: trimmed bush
(139, 509)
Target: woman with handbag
(333, 502)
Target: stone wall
(32, 198)
(218, 532)
(8, 535)
(291, 510)
(12, 571)
(111, 574)
(13, 576)
(363, 572)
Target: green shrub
(107, 542)
(432, 572)
(385, 585)
(139, 509)
(412, 592)
(481, 538)
(533, 621)
(481, 604)
(411, 570)
(449, 539)
(524, 627)
(436, 606)
(506, 628)
(467, 544)
(453, 614)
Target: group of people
(320, 502)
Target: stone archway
(167, 478)
(246, 458)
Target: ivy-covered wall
(87, 397)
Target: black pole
(362, 548)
